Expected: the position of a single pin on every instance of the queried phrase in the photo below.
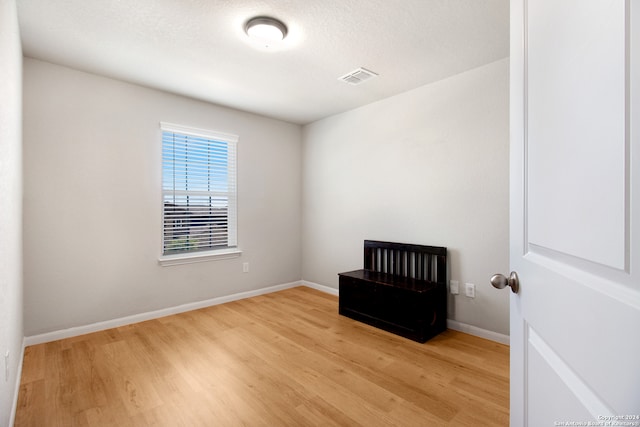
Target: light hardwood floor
(282, 359)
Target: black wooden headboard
(406, 260)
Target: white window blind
(198, 190)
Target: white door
(575, 212)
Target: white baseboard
(16, 389)
(114, 323)
(478, 332)
(321, 288)
(451, 324)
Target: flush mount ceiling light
(266, 31)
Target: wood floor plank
(334, 371)
(285, 359)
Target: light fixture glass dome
(267, 31)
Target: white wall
(92, 200)
(429, 166)
(11, 329)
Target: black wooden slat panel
(407, 260)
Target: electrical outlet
(245, 267)
(470, 290)
(454, 287)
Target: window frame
(230, 251)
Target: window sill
(167, 260)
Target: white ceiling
(198, 48)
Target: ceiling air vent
(358, 76)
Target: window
(198, 193)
